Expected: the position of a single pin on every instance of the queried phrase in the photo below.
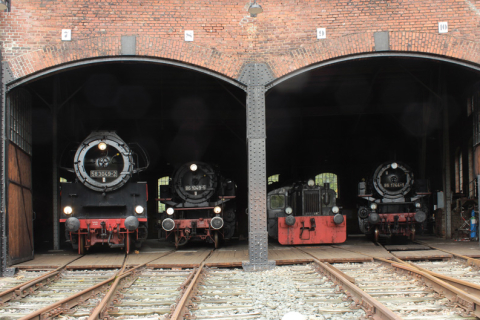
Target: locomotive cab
(305, 213)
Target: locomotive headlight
(102, 146)
(394, 165)
(139, 209)
(170, 211)
(193, 167)
(373, 206)
(418, 205)
(335, 209)
(217, 209)
(311, 183)
(288, 210)
(68, 210)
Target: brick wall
(226, 37)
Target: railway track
(380, 289)
(406, 295)
(37, 295)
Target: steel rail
(462, 292)
(63, 305)
(179, 311)
(101, 308)
(371, 306)
(470, 261)
(466, 300)
(108, 297)
(19, 290)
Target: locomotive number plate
(196, 188)
(103, 173)
(394, 185)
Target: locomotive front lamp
(102, 146)
(335, 209)
(217, 209)
(193, 167)
(394, 165)
(170, 211)
(139, 209)
(373, 206)
(311, 183)
(68, 210)
(288, 210)
(418, 205)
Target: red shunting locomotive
(103, 205)
(305, 213)
(396, 202)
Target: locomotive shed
(322, 90)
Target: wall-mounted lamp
(3, 4)
(255, 9)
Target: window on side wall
(273, 178)
(327, 177)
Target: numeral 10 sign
(442, 27)
(321, 33)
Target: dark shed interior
(345, 119)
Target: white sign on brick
(188, 35)
(66, 34)
(321, 33)
(443, 27)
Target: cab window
(277, 201)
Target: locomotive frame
(103, 205)
(200, 205)
(305, 213)
(396, 202)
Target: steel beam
(256, 76)
(56, 223)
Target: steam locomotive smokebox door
(311, 230)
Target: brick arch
(282, 64)
(64, 53)
(426, 44)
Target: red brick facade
(226, 37)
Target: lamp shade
(255, 9)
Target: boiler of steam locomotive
(198, 205)
(395, 201)
(103, 205)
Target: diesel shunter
(305, 213)
(103, 204)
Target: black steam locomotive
(199, 205)
(396, 202)
(305, 213)
(103, 205)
